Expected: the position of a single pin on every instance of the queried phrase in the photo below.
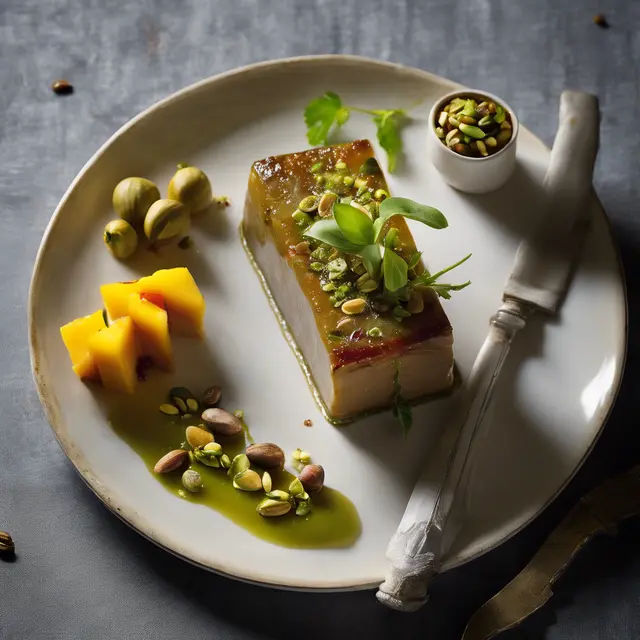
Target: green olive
(132, 198)
(121, 238)
(166, 220)
(191, 186)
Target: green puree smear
(333, 520)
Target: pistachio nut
(270, 508)
(211, 396)
(312, 477)
(192, 405)
(208, 458)
(171, 461)
(132, 198)
(180, 392)
(166, 220)
(214, 447)
(221, 422)
(267, 482)
(225, 461)
(121, 239)
(308, 204)
(303, 508)
(326, 203)
(238, 464)
(198, 437)
(247, 480)
(354, 306)
(192, 481)
(6, 543)
(266, 455)
(296, 487)
(181, 404)
(191, 187)
(278, 494)
(169, 409)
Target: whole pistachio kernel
(271, 508)
(192, 188)
(214, 447)
(169, 409)
(267, 482)
(316, 167)
(381, 194)
(239, 464)
(121, 239)
(225, 461)
(247, 480)
(374, 332)
(296, 487)
(301, 217)
(348, 181)
(192, 481)
(341, 166)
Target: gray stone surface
(81, 573)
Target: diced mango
(116, 297)
(76, 336)
(185, 304)
(115, 354)
(152, 329)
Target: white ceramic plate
(552, 400)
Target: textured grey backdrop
(81, 573)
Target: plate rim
(49, 403)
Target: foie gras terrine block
(357, 360)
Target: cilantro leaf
(388, 124)
(321, 114)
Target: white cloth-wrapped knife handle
(425, 533)
(415, 554)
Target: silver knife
(540, 277)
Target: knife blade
(542, 270)
(598, 512)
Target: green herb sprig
(401, 409)
(352, 231)
(327, 112)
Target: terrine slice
(358, 362)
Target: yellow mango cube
(115, 354)
(116, 297)
(76, 336)
(152, 329)
(185, 304)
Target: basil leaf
(395, 270)
(329, 232)
(356, 225)
(408, 209)
(388, 129)
(372, 259)
(321, 114)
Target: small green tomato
(121, 239)
(191, 186)
(132, 198)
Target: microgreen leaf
(355, 225)
(388, 130)
(428, 279)
(329, 232)
(372, 259)
(395, 270)
(442, 289)
(321, 114)
(408, 209)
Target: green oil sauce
(333, 520)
